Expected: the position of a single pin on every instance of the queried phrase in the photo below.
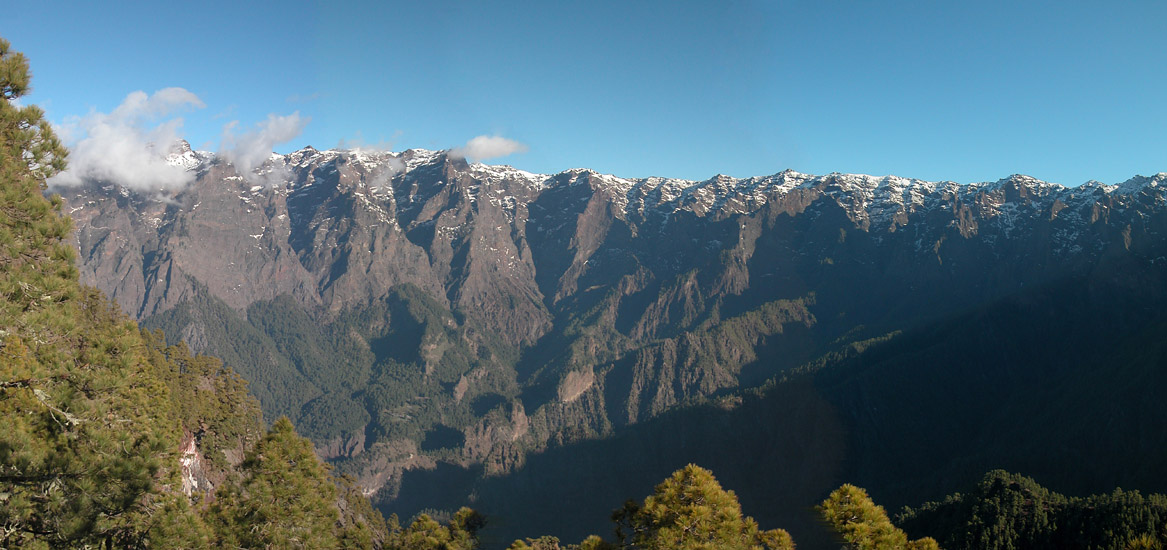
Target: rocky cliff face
(194, 476)
(524, 311)
(507, 248)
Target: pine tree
(174, 525)
(285, 500)
(690, 511)
(426, 533)
(85, 435)
(541, 543)
(361, 525)
(30, 149)
(1144, 542)
(864, 525)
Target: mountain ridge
(670, 188)
(414, 311)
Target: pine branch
(38, 479)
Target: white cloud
(381, 182)
(139, 105)
(488, 147)
(128, 146)
(248, 150)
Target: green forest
(96, 413)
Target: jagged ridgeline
(108, 437)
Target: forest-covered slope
(108, 437)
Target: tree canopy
(285, 499)
(691, 511)
(1006, 511)
(863, 525)
(84, 434)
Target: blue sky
(972, 91)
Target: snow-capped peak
(181, 154)
(879, 202)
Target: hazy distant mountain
(489, 334)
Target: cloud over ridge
(128, 145)
(489, 147)
(249, 149)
